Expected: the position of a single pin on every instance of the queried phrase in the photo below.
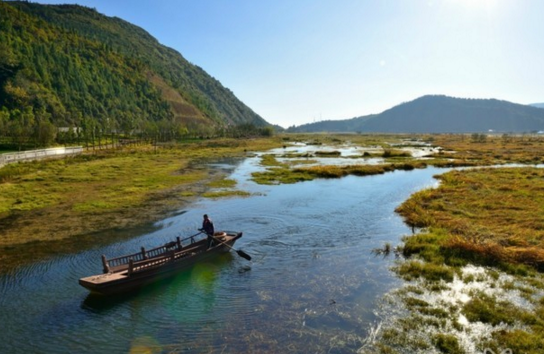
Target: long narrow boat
(133, 271)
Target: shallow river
(313, 285)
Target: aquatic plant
(328, 153)
(395, 153)
(471, 312)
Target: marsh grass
(475, 311)
(278, 173)
(494, 150)
(388, 153)
(301, 162)
(224, 188)
(55, 199)
(491, 215)
(222, 183)
(224, 194)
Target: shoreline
(148, 188)
(467, 275)
(78, 233)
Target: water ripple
(311, 286)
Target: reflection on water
(312, 285)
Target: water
(312, 286)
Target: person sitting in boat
(207, 227)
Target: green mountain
(70, 66)
(442, 114)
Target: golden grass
(495, 213)
(494, 150)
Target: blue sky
(300, 61)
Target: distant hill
(442, 114)
(538, 105)
(345, 125)
(69, 65)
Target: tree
(17, 129)
(44, 131)
(4, 121)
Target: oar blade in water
(244, 255)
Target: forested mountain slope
(68, 65)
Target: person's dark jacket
(207, 226)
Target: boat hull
(155, 269)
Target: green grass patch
(414, 269)
(187, 194)
(223, 194)
(447, 343)
(281, 173)
(388, 153)
(51, 197)
(223, 183)
(93, 206)
(302, 162)
(278, 175)
(270, 160)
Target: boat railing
(135, 267)
(121, 263)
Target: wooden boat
(133, 271)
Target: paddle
(239, 252)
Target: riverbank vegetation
(491, 216)
(282, 173)
(58, 199)
(475, 269)
(115, 183)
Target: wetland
(329, 222)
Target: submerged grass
(474, 311)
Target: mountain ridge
(444, 114)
